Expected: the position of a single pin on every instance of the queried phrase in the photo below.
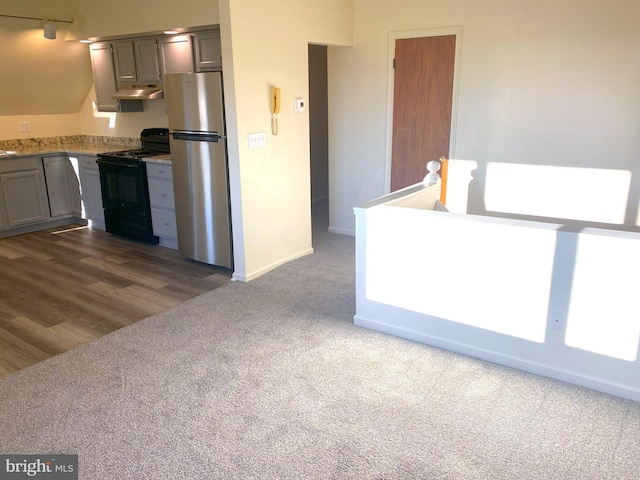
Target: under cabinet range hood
(138, 92)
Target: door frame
(429, 32)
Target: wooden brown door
(422, 99)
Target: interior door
(422, 101)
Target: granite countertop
(165, 159)
(79, 144)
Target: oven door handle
(117, 164)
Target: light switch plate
(298, 105)
(257, 140)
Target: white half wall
(548, 299)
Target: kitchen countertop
(78, 148)
(165, 159)
(78, 144)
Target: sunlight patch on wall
(111, 116)
(459, 176)
(484, 274)
(603, 311)
(589, 194)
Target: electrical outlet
(24, 126)
(257, 140)
(556, 320)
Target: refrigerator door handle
(197, 136)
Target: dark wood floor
(64, 287)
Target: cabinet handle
(166, 224)
(163, 194)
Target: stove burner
(155, 141)
(133, 154)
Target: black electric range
(125, 192)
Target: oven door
(124, 187)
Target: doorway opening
(319, 137)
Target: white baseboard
(253, 275)
(342, 231)
(601, 385)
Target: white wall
(127, 125)
(40, 126)
(103, 18)
(264, 44)
(545, 82)
(39, 76)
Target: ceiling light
(50, 30)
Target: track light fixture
(50, 28)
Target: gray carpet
(271, 380)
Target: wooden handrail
(444, 170)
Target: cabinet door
(103, 76)
(59, 188)
(124, 61)
(208, 51)
(146, 56)
(176, 54)
(74, 181)
(164, 223)
(23, 194)
(161, 194)
(91, 191)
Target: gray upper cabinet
(125, 61)
(136, 61)
(103, 76)
(176, 54)
(208, 52)
(146, 55)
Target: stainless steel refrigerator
(199, 164)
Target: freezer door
(194, 102)
(200, 184)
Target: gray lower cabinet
(63, 189)
(163, 210)
(91, 191)
(23, 191)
